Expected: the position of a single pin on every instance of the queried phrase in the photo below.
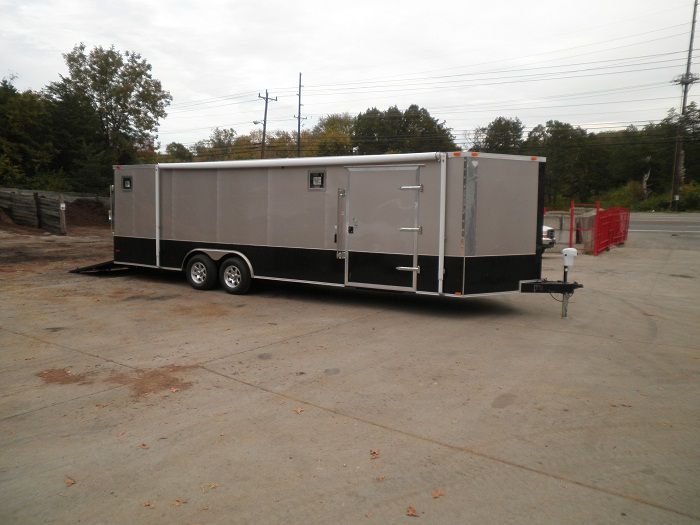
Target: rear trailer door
(382, 227)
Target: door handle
(409, 268)
(418, 229)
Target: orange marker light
(533, 157)
(457, 154)
(475, 153)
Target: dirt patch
(503, 401)
(149, 297)
(150, 381)
(201, 310)
(86, 212)
(63, 376)
(18, 255)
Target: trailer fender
(217, 255)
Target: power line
(299, 119)
(184, 105)
(267, 99)
(685, 81)
(508, 70)
(492, 109)
(522, 57)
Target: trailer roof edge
(304, 161)
(504, 156)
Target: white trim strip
(488, 294)
(337, 285)
(389, 167)
(502, 156)
(137, 264)
(443, 211)
(304, 161)
(467, 296)
(157, 192)
(382, 287)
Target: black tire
(234, 276)
(201, 272)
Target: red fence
(610, 226)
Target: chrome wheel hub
(232, 277)
(198, 272)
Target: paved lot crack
(64, 347)
(51, 405)
(457, 448)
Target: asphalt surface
(135, 399)
(687, 223)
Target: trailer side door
(382, 227)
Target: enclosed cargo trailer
(455, 224)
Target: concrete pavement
(136, 399)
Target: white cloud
(204, 50)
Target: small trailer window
(126, 183)
(317, 180)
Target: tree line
(632, 165)
(68, 135)
(106, 111)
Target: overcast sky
(597, 63)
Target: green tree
(81, 155)
(177, 152)
(333, 135)
(280, 144)
(394, 131)
(422, 132)
(26, 149)
(219, 145)
(128, 101)
(565, 148)
(502, 135)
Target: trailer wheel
(234, 276)
(201, 272)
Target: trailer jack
(564, 287)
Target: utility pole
(266, 98)
(299, 119)
(685, 81)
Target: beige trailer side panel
(134, 208)
(506, 207)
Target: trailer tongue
(103, 268)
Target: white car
(548, 237)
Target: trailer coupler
(103, 268)
(545, 286)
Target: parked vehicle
(454, 224)
(548, 236)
